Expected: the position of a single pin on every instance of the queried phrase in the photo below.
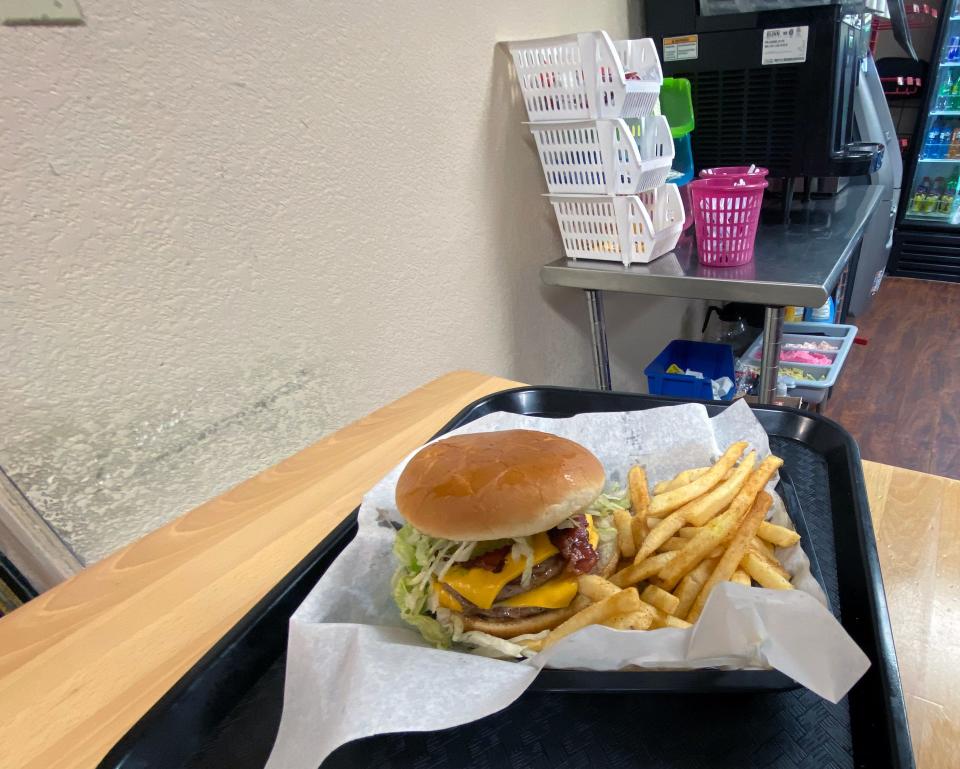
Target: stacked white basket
(605, 176)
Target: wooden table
(80, 664)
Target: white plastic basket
(603, 156)
(633, 229)
(587, 76)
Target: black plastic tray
(225, 711)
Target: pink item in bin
(726, 212)
(800, 356)
(722, 171)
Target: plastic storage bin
(711, 360)
(676, 105)
(620, 228)
(603, 156)
(835, 338)
(726, 214)
(587, 76)
(683, 160)
(665, 206)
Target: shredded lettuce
(603, 507)
(610, 500)
(523, 549)
(421, 558)
(490, 646)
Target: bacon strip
(574, 545)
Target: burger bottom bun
(510, 628)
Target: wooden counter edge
(83, 662)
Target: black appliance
(789, 110)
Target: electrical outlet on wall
(14, 12)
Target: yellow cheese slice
(481, 586)
(592, 532)
(555, 594)
(445, 599)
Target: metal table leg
(598, 334)
(770, 357)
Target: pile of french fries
(705, 526)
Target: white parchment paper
(354, 669)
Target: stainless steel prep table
(799, 263)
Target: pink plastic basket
(744, 171)
(725, 214)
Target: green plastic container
(676, 105)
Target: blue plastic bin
(712, 360)
(682, 160)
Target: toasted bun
(609, 554)
(511, 483)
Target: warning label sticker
(786, 45)
(680, 48)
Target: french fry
(624, 524)
(763, 574)
(680, 479)
(761, 546)
(623, 602)
(734, 553)
(638, 527)
(660, 599)
(767, 558)
(780, 536)
(716, 531)
(648, 615)
(639, 494)
(689, 532)
(701, 510)
(741, 578)
(641, 571)
(674, 543)
(689, 587)
(635, 620)
(652, 522)
(595, 587)
(658, 535)
(677, 498)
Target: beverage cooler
(926, 242)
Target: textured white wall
(228, 229)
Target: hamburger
(499, 525)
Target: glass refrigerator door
(933, 192)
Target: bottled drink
(946, 89)
(932, 201)
(930, 146)
(945, 206)
(920, 195)
(953, 50)
(954, 152)
(943, 143)
(946, 202)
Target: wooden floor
(900, 395)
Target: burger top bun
(497, 485)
